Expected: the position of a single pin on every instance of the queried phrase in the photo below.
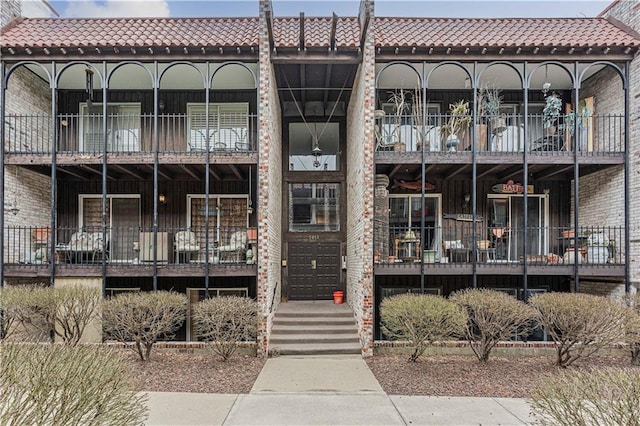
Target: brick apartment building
(285, 158)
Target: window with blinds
(228, 127)
(123, 127)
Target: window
(404, 216)
(506, 225)
(228, 126)
(302, 147)
(123, 127)
(314, 207)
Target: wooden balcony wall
(172, 130)
(172, 215)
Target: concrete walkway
(328, 390)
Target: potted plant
(492, 100)
(400, 106)
(551, 110)
(457, 124)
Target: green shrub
(604, 397)
(579, 324)
(139, 320)
(492, 316)
(226, 321)
(65, 385)
(421, 320)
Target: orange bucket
(338, 297)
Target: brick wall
(26, 94)
(360, 193)
(269, 281)
(628, 12)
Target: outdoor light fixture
(465, 203)
(162, 199)
(317, 153)
(249, 206)
(89, 85)
(161, 104)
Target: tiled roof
(131, 32)
(519, 32)
(317, 32)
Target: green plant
(492, 316)
(579, 324)
(139, 320)
(551, 110)
(458, 121)
(226, 321)
(489, 101)
(65, 385)
(421, 320)
(598, 397)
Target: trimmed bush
(45, 312)
(421, 320)
(65, 385)
(226, 321)
(632, 326)
(8, 315)
(492, 316)
(579, 324)
(599, 397)
(139, 320)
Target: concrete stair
(314, 328)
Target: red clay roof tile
(132, 32)
(317, 32)
(450, 32)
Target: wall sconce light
(162, 199)
(161, 105)
(13, 208)
(465, 203)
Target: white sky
(237, 8)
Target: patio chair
(235, 248)
(185, 244)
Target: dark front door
(314, 270)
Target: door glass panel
(307, 155)
(125, 220)
(507, 227)
(314, 207)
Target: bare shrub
(226, 321)
(632, 326)
(139, 320)
(492, 316)
(421, 320)
(579, 324)
(599, 397)
(8, 314)
(65, 385)
(45, 312)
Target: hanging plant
(551, 111)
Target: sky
(238, 8)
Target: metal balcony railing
(124, 246)
(597, 246)
(131, 133)
(594, 134)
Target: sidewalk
(328, 390)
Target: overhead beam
(457, 170)
(489, 171)
(98, 172)
(213, 173)
(395, 170)
(301, 45)
(70, 171)
(128, 171)
(514, 171)
(327, 80)
(236, 172)
(160, 172)
(189, 172)
(553, 173)
(332, 39)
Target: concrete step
(311, 321)
(318, 349)
(328, 313)
(306, 328)
(314, 338)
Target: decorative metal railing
(599, 246)
(124, 246)
(131, 133)
(595, 134)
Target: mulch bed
(462, 375)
